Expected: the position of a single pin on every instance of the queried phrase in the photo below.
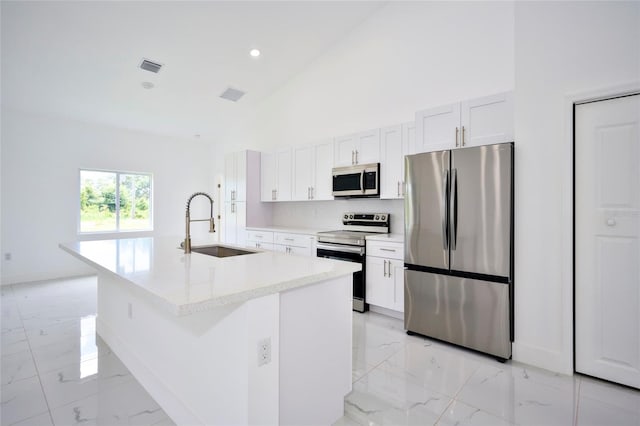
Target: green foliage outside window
(112, 201)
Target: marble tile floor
(56, 372)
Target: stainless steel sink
(220, 251)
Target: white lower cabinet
(385, 275)
(298, 244)
(259, 239)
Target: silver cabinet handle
(352, 154)
(398, 188)
(462, 135)
(273, 195)
(258, 236)
(457, 130)
(233, 195)
(384, 269)
(444, 210)
(288, 239)
(276, 191)
(386, 249)
(257, 245)
(312, 188)
(308, 193)
(454, 208)
(233, 207)
(389, 266)
(356, 156)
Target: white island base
(202, 368)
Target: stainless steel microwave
(362, 180)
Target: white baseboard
(387, 312)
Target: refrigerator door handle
(454, 208)
(444, 209)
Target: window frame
(117, 229)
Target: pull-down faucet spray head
(188, 220)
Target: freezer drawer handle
(454, 208)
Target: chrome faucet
(188, 220)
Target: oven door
(348, 254)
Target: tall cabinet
(242, 206)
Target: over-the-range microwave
(361, 180)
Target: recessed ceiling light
(254, 52)
(147, 85)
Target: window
(115, 201)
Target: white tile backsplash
(328, 214)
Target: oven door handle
(344, 249)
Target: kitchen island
(260, 338)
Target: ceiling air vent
(150, 66)
(232, 94)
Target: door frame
(568, 200)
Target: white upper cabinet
(235, 173)
(276, 175)
(312, 166)
(473, 122)
(302, 172)
(487, 120)
(395, 143)
(323, 164)
(437, 128)
(357, 148)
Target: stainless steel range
(349, 244)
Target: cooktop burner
(356, 227)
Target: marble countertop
(386, 238)
(306, 231)
(188, 283)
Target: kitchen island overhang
(192, 330)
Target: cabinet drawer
(386, 250)
(299, 251)
(297, 240)
(260, 236)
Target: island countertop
(194, 282)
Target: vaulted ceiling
(81, 59)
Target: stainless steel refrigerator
(459, 247)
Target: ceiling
(81, 59)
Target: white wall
(562, 48)
(41, 158)
(408, 56)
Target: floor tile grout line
(35, 365)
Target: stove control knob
(350, 216)
(384, 217)
(377, 217)
(346, 216)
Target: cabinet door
(344, 150)
(396, 272)
(283, 175)
(408, 148)
(368, 147)
(229, 176)
(240, 210)
(267, 176)
(322, 180)
(379, 290)
(302, 172)
(230, 223)
(487, 120)
(436, 128)
(391, 159)
(241, 176)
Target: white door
(607, 235)
(267, 176)
(345, 150)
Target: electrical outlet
(264, 351)
(130, 311)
